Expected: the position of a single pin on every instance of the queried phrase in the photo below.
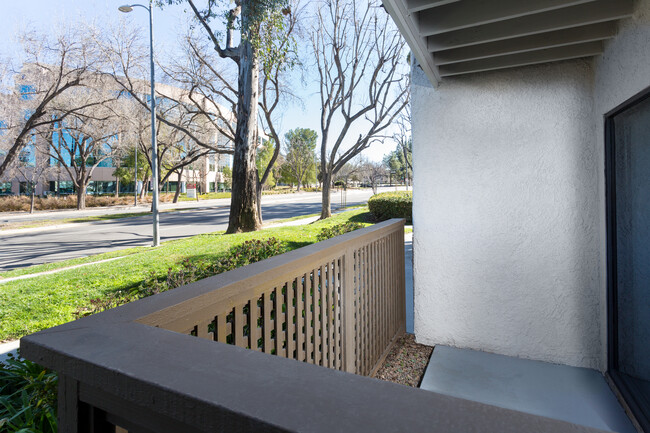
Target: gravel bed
(406, 362)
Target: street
(27, 247)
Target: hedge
(392, 205)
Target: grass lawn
(29, 305)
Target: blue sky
(46, 15)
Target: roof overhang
(456, 37)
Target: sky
(47, 15)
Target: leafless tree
(29, 170)
(373, 173)
(360, 61)
(50, 68)
(81, 139)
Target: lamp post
(154, 146)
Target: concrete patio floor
(577, 395)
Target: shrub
(27, 397)
(188, 272)
(338, 229)
(392, 205)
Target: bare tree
(359, 57)
(29, 170)
(81, 139)
(372, 173)
(51, 67)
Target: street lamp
(154, 146)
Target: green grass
(208, 196)
(30, 305)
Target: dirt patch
(406, 362)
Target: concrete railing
(337, 303)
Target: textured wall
(507, 214)
(620, 73)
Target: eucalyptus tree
(363, 79)
(256, 36)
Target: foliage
(250, 251)
(227, 177)
(27, 397)
(338, 229)
(397, 164)
(126, 171)
(262, 160)
(300, 159)
(392, 205)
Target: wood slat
(317, 326)
(590, 33)
(575, 16)
(254, 331)
(461, 15)
(300, 318)
(338, 294)
(309, 317)
(238, 327)
(323, 315)
(222, 329)
(420, 5)
(290, 317)
(529, 58)
(269, 323)
(279, 322)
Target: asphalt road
(31, 247)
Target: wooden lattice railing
(338, 304)
(138, 369)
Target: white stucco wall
(506, 214)
(620, 73)
(509, 203)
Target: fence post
(348, 309)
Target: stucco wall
(506, 213)
(509, 203)
(620, 73)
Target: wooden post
(347, 312)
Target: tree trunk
(143, 191)
(81, 198)
(244, 207)
(178, 187)
(326, 210)
(298, 189)
(31, 204)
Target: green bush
(338, 229)
(389, 205)
(189, 271)
(27, 397)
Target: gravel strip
(406, 362)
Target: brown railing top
(124, 365)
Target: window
(27, 156)
(628, 250)
(5, 188)
(26, 187)
(66, 187)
